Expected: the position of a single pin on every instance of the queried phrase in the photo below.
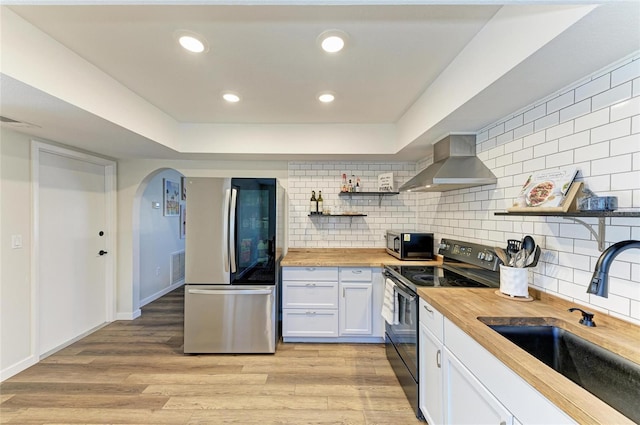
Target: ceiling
(269, 55)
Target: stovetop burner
(434, 277)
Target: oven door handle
(406, 295)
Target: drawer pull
(427, 308)
(439, 359)
(356, 271)
(310, 284)
(310, 313)
(310, 269)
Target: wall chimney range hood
(455, 166)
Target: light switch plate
(16, 241)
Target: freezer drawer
(230, 319)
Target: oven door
(404, 334)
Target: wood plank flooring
(134, 372)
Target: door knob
(102, 252)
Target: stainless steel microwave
(410, 245)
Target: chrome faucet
(600, 280)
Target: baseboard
(16, 368)
(160, 293)
(129, 316)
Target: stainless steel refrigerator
(233, 247)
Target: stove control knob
(481, 256)
(489, 256)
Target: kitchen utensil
(529, 245)
(513, 246)
(532, 261)
(501, 255)
(520, 258)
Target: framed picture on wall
(183, 220)
(171, 197)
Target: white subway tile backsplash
(576, 110)
(560, 102)
(514, 122)
(547, 148)
(616, 164)
(611, 131)
(625, 109)
(628, 144)
(523, 130)
(546, 121)
(592, 152)
(593, 87)
(594, 119)
(559, 159)
(535, 113)
(625, 181)
(625, 73)
(611, 97)
(559, 131)
(574, 141)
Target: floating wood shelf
(378, 194)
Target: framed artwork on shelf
(171, 198)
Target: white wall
(159, 238)
(15, 278)
(594, 125)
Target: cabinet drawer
(431, 318)
(310, 273)
(309, 323)
(309, 294)
(355, 274)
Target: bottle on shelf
(350, 186)
(344, 187)
(320, 203)
(358, 187)
(313, 203)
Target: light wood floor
(134, 372)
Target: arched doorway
(158, 237)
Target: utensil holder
(514, 281)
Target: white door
(74, 244)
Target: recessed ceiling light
(231, 97)
(332, 41)
(326, 97)
(192, 42)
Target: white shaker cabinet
(332, 304)
(467, 400)
(430, 363)
(356, 301)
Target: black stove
(465, 265)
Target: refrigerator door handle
(225, 232)
(231, 291)
(232, 230)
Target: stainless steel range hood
(455, 166)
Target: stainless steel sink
(610, 377)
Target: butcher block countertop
(463, 306)
(346, 257)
